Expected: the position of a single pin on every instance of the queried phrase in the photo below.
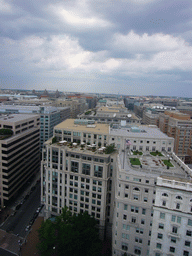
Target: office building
(20, 153)
(49, 116)
(79, 176)
(178, 126)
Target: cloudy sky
(132, 47)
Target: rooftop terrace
(154, 165)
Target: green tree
(69, 235)
(110, 149)
(6, 132)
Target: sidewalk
(30, 247)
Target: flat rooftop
(144, 132)
(16, 117)
(150, 169)
(96, 128)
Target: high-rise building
(136, 191)
(20, 153)
(49, 116)
(79, 176)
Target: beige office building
(20, 153)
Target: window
(189, 222)
(172, 249)
(137, 251)
(124, 246)
(174, 229)
(136, 189)
(142, 221)
(160, 236)
(162, 215)
(146, 190)
(133, 220)
(74, 166)
(143, 211)
(138, 240)
(161, 226)
(98, 171)
(145, 199)
(165, 194)
(177, 206)
(173, 239)
(187, 243)
(124, 216)
(188, 233)
(125, 206)
(185, 253)
(134, 209)
(158, 245)
(135, 197)
(179, 197)
(86, 169)
(164, 203)
(139, 230)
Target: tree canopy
(69, 235)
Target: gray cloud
(131, 46)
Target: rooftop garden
(156, 153)
(168, 163)
(135, 161)
(137, 153)
(110, 149)
(5, 133)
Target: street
(17, 224)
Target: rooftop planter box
(5, 133)
(168, 163)
(157, 153)
(137, 153)
(135, 161)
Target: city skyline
(126, 47)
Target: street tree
(69, 235)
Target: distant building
(116, 114)
(49, 116)
(20, 153)
(179, 126)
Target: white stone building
(172, 218)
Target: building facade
(77, 175)
(20, 153)
(49, 116)
(172, 218)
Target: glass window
(173, 239)
(174, 229)
(158, 245)
(187, 243)
(161, 226)
(189, 222)
(160, 236)
(188, 233)
(172, 249)
(98, 171)
(162, 215)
